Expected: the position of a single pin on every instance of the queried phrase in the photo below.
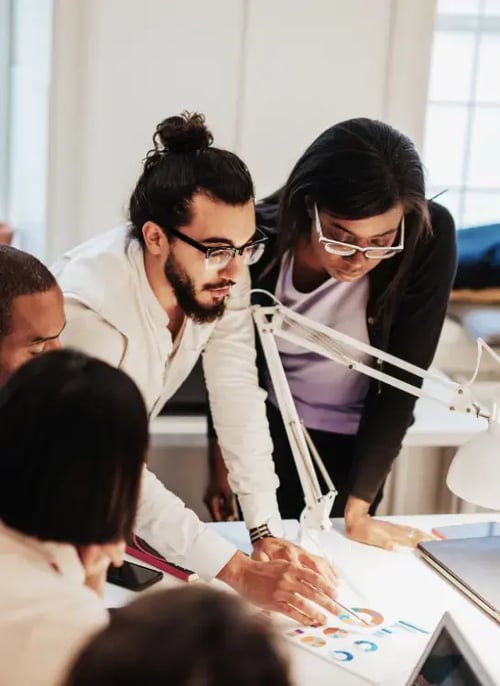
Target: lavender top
(328, 396)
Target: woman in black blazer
(354, 243)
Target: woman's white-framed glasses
(342, 249)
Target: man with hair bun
(153, 296)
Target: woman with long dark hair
(74, 437)
(355, 245)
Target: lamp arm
(317, 506)
(279, 321)
(326, 337)
(334, 345)
(290, 417)
(482, 345)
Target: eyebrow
(378, 235)
(45, 339)
(218, 239)
(222, 240)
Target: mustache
(217, 286)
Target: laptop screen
(445, 665)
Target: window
(462, 133)
(5, 53)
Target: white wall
(134, 62)
(28, 122)
(308, 65)
(270, 76)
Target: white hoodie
(112, 313)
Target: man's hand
(219, 498)
(360, 526)
(278, 549)
(281, 586)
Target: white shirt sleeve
(238, 408)
(177, 533)
(162, 520)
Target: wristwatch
(273, 528)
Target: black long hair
(184, 162)
(356, 169)
(73, 437)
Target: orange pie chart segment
(314, 641)
(373, 617)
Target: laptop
(472, 565)
(448, 660)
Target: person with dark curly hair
(31, 309)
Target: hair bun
(185, 133)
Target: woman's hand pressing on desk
(361, 527)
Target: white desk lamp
(475, 472)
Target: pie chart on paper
(372, 617)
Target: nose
(232, 270)
(55, 344)
(356, 260)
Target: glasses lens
(380, 254)
(253, 253)
(218, 258)
(339, 249)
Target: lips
(221, 288)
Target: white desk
(398, 581)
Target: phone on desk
(132, 576)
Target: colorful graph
(341, 656)
(366, 649)
(314, 641)
(295, 632)
(373, 617)
(335, 632)
(366, 646)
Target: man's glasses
(342, 249)
(218, 258)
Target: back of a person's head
(73, 436)
(194, 636)
(183, 163)
(20, 274)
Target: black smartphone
(132, 576)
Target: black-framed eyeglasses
(218, 258)
(342, 249)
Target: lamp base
(317, 516)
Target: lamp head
(474, 474)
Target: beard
(185, 293)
